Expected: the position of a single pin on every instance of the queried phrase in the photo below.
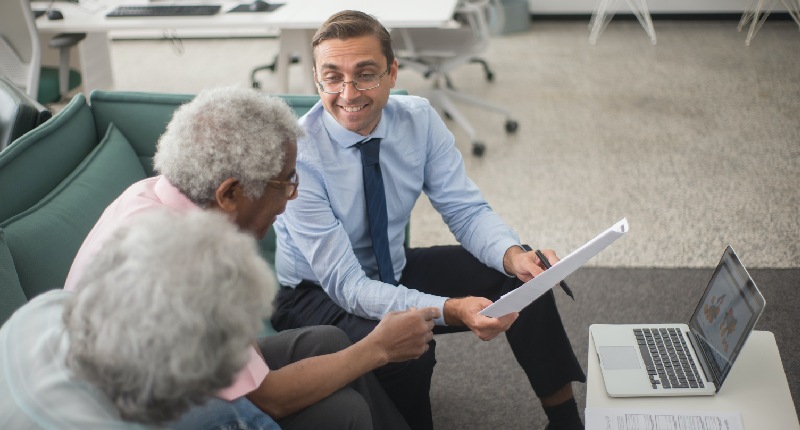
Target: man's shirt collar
(346, 138)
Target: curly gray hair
(229, 132)
(167, 312)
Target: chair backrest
(19, 113)
(20, 52)
(437, 51)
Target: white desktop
(296, 22)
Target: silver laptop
(683, 359)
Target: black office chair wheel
(478, 148)
(486, 70)
(511, 126)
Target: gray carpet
(695, 140)
(478, 385)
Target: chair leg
(63, 72)
(756, 23)
(601, 17)
(443, 99)
(793, 6)
(486, 70)
(642, 14)
(64, 42)
(271, 67)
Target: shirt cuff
(501, 248)
(429, 300)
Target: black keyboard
(667, 358)
(165, 10)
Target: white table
(297, 21)
(756, 387)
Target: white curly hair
(228, 132)
(167, 311)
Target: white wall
(655, 6)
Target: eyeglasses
(291, 185)
(362, 82)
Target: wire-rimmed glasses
(362, 82)
(290, 185)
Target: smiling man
(366, 158)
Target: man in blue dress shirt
(339, 264)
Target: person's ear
(393, 72)
(227, 195)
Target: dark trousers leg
(361, 405)
(537, 338)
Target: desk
(756, 387)
(297, 21)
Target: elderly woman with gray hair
(147, 335)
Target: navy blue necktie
(375, 197)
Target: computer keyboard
(666, 357)
(165, 10)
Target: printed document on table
(657, 419)
(525, 294)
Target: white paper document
(525, 294)
(657, 419)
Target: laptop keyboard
(667, 358)
(164, 10)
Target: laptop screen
(726, 314)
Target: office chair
(20, 55)
(435, 52)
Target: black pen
(546, 263)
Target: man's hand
(464, 311)
(526, 265)
(404, 335)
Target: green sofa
(56, 180)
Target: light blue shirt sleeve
(324, 236)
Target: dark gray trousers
(363, 404)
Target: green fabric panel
(141, 117)
(301, 103)
(44, 240)
(11, 295)
(38, 161)
(267, 247)
(49, 87)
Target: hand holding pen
(547, 265)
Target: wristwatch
(525, 247)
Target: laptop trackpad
(619, 357)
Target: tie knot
(370, 151)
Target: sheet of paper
(516, 300)
(657, 419)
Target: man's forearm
(305, 382)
